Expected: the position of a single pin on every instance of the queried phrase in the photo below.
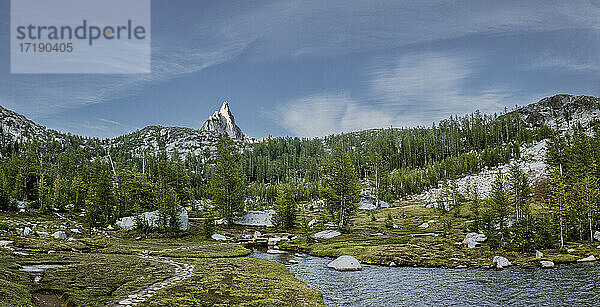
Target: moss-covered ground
(105, 266)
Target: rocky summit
(223, 122)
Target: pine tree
(227, 185)
(500, 205)
(341, 187)
(99, 209)
(285, 207)
(520, 191)
(557, 200)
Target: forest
(86, 178)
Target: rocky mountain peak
(561, 110)
(223, 122)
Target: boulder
(292, 261)
(60, 235)
(4, 243)
(326, 234)
(424, 225)
(345, 263)
(255, 218)
(75, 230)
(218, 237)
(571, 250)
(587, 259)
(110, 227)
(501, 262)
(312, 222)
(69, 239)
(597, 235)
(473, 238)
(152, 218)
(546, 264)
(538, 254)
(392, 264)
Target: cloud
(422, 88)
(412, 90)
(325, 114)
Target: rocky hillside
(561, 111)
(17, 128)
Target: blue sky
(312, 68)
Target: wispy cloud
(325, 114)
(423, 88)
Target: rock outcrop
(223, 122)
(153, 220)
(326, 234)
(255, 218)
(473, 238)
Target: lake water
(574, 284)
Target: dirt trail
(182, 271)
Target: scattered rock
(69, 239)
(547, 264)
(42, 233)
(110, 227)
(367, 202)
(538, 254)
(392, 264)
(326, 234)
(75, 230)
(424, 225)
(501, 262)
(597, 235)
(461, 266)
(292, 261)
(345, 263)
(571, 250)
(218, 237)
(60, 235)
(587, 259)
(255, 218)
(395, 226)
(21, 254)
(312, 222)
(378, 234)
(4, 243)
(298, 255)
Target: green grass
(238, 282)
(98, 270)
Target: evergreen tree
(227, 185)
(341, 187)
(285, 207)
(520, 191)
(557, 200)
(500, 206)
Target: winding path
(182, 271)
